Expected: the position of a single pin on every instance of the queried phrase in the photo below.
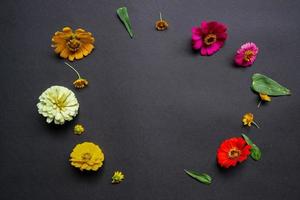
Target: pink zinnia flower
(246, 55)
(209, 37)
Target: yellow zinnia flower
(87, 156)
(117, 177)
(78, 129)
(73, 45)
(248, 119)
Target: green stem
(255, 124)
(259, 104)
(73, 69)
(160, 17)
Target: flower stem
(160, 17)
(255, 124)
(258, 105)
(73, 69)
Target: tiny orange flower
(263, 97)
(248, 119)
(161, 24)
(73, 45)
(80, 82)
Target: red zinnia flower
(232, 151)
(209, 37)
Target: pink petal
(203, 51)
(196, 37)
(196, 30)
(213, 48)
(222, 36)
(204, 28)
(197, 44)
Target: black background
(153, 105)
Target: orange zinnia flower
(73, 45)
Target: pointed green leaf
(255, 151)
(202, 177)
(265, 85)
(123, 15)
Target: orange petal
(85, 52)
(79, 54)
(59, 48)
(57, 39)
(71, 57)
(65, 53)
(88, 47)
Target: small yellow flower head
(78, 129)
(80, 83)
(87, 156)
(71, 44)
(248, 119)
(117, 177)
(264, 97)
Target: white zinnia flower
(58, 104)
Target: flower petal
(197, 44)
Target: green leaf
(123, 15)
(255, 151)
(202, 177)
(264, 85)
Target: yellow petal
(67, 29)
(79, 54)
(85, 52)
(80, 30)
(71, 57)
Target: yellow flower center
(73, 44)
(234, 153)
(210, 39)
(60, 104)
(248, 55)
(86, 156)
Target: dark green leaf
(264, 85)
(248, 141)
(123, 15)
(255, 151)
(202, 177)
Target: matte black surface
(153, 105)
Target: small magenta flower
(209, 37)
(246, 54)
